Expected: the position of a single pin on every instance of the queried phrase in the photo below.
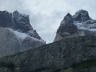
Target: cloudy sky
(46, 15)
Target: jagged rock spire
(68, 19)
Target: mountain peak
(68, 19)
(68, 15)
(16, 12)
(80, 24)
(81, 16)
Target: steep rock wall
(53, 57)
(11, 42)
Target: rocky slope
(76, 54)
(16, 33)
(80, 24)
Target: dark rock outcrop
(74, 54)
(79, 24)
(68, 19)
(67, 25)
(17, 21)
(21, 22)
(81, 16)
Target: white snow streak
(23, 36)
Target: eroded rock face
(11, 43)
(57, 56)
(79, 24)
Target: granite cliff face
(16, 33)
(80, 24)
(76, 54)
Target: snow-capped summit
(79, 24)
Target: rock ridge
(55, 57)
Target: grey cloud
(47, 26)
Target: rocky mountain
(16, 33)
(76, 54)
(17, 21)
(79, 24)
